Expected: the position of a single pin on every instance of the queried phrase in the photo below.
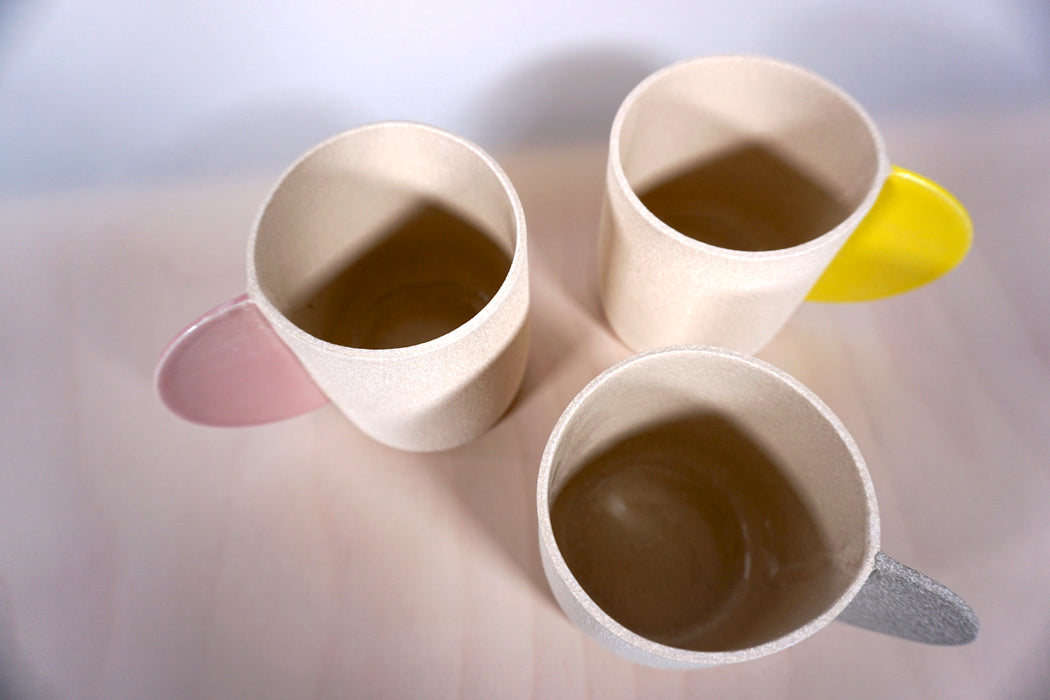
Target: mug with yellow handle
(739, 186)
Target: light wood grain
(145, 557)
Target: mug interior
(707, 503)
(389, 235)
(746, 153)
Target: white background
(120, 91)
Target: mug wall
(797, 486)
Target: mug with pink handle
(387, 273)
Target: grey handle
(903, 602)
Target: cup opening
(706, 504)
(387, 236)
(746, 153)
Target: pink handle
(229, 368)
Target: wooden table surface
(145, 557)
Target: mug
(737, 187)
(698, 506)
(387, 273)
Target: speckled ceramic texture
(425, 397)
(660, 287)
(824, 463)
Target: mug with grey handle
(698, 507)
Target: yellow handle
(916, 232)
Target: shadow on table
(564, 97)
(553, 122)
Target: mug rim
(676, 656)
(841, 230)
(515, 273)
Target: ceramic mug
(698, 506)
(738, 185)
(387, 273)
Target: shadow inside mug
(430, 272)
(750, 198)
(689, 532)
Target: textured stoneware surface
(901, 601)
(229, 368)
(812, 446)
(660, 287)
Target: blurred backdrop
(119, 91)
